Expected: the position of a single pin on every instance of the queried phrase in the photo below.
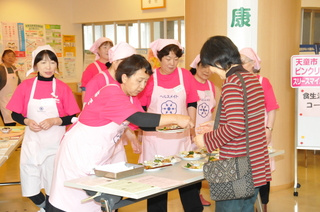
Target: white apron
(166, 101)
(205, 105)
(271, 159)
(98, 67)
(82, 148)
(39, 148)
(5, 95)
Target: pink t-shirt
(170, 81)
(96, 83)
(205, 87)
(66, 105)
(91, 71)
(269, 97)
(110, 105)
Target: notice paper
(96, 181)
(158, 181)
(128, 186)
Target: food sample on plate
(191, 154)
(165, 160)
(6, 130)
(211, 158)
(270, 149)
(171, 127)
(194, 165)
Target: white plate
(183, 157)
(195, 170)
(271, 151)
(171, 131)
(153, 170)
(178, 160)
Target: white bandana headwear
(36, 52)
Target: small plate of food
(167, 160)
(171, 129)
(191, 155)
(154, 165)
(271, 150)
(194, 166)
(6, 130)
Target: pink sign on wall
(305, 71)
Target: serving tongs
(156, 167)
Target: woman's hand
(205, 127)
(48, 123)
(136, 146)
(185, 121)
(32, 125)
(199, 141)
(268, 135)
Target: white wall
(119, 10)
(310, 3)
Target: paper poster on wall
(23, 65)
(22, 41)
(89, 57)
(34, 37)
(53, 38)
(69, 68)
(11, 37)
(69, 45)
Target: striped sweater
(230, 136)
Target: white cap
(120, 51)
(35, 53)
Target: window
(139, 34)
(310, 30)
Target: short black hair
(167, 49)
(219, 50)
(193, 71)
(130, 65)
(44, 53)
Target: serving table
(174, 175)
(9, 143)
(111, 197)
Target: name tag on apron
(178, 88)
(207, 93)
(46, 102)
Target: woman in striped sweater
(223, 58)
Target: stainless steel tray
(137, 169)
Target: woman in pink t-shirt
(206, 103)
(170, 90)
(45, 105)
(251, 62)
(101, 49)
(91, 141)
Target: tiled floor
(280, 201)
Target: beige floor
(280, 201)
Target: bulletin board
(305, 78)
(23, 38)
